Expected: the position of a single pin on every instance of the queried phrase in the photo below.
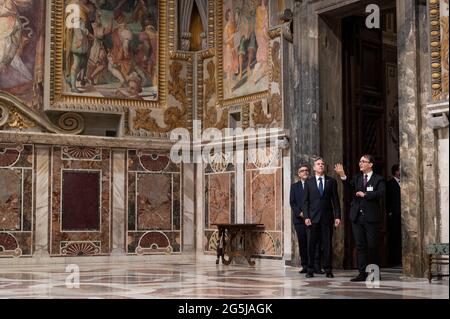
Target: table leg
(229, 248)
(220, 246)
(430, 276)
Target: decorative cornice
(17, 115)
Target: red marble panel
(10, 199)
(154, 201)
(219, 199)
(262, 199)
(80, 201)
(101, 238)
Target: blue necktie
(320, 187)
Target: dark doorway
(370, 114)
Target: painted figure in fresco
(134, 87)
(262, 34)
(230, 59)
(98, 61)
(12, 39)
(247, 42)
(121, 51)
(77, 45)
(119, 37)
(145, 59)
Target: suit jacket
(393, 197)
(321, 209)
(370, 204)
(296, 199)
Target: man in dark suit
(322, 211)
(298, 219)
(367, 190)
(393, 210)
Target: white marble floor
(205, 280)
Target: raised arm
(348, 182)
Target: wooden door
(363, 113)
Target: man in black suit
(393, 210)
(367, 190)
(298, 219)
(322, 211)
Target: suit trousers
(303, 235)
(366, 235)
(322, 233)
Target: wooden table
(234, 240)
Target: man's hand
(360, 194)
(339, 169)
(308, 222)
(337, 222)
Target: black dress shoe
(330, 275)
(309, 275)
(303, 271)
(319, 272)
(359, 278)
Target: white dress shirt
(323, 181)
(369, 176)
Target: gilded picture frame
(61, 98)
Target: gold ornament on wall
(274, 111)
(174, 116)
(439, 48)
(18, 121)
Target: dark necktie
(365, 180)
(320, 187)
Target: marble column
(118, 205)
(301, 92)
(199, 208)
(188, 208)
(41, 245)
(302, 112)
(443, 184)
(240, 194)
(410, 142)
(287, 218)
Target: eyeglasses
(303, 170)
(364, 162)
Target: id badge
(370, 189)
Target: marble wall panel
(264, 204)
(262, 199)
(154, 201)
(219, 201)
(80, 242)
(10, 199)
(80, 201)
(154, 215)
(16, 199)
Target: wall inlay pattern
(16, 200)
(76, 229)
(154, 213)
